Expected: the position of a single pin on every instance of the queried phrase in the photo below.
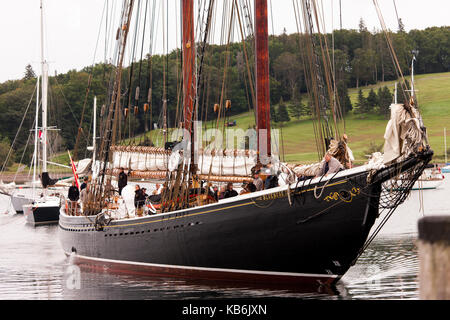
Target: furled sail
(226, 162)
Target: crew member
(230, 192)
(73, 195)
(257, 181)
(123, 180)
(330, 165)
(84, 184)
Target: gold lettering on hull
(346, 196)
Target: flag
(74, 171)
(40, 135)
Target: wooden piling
(434, 257)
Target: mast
(262, 79)
(189, 84)
(44, 96)
(395, 93)
(36, 121)
(413, 95)
(94, 132)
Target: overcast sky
(72, 27)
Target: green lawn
(433, 93)
(298, 135)
(299, 142)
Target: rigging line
(59, 86)
(249, 74)
(106, 32)
(271, 18)
(316, 69)
(326, 62)
(17, 133)
(164, 97)
(115, 101)
(179, 80)
(396, 12)
(226, 64)
(130, 83)
(202, 52)
(149, 65)
(80, 131)
(142, 52)
(308, 75)
(397, 68)
(303, 43)
(23, 153)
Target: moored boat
(309, 229)
(286, 234)
(42, 212)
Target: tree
(274, 114)
(344, 99)
(29, 72)
(296, 106)
(362, 103)
(362, 25)
(401, 94)
(283, 115)
(362, 65)
(288, 67)
(401, 26)
(372, 100)
(384, 100)
(4, 150)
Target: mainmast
(44, 96)
(262, 79)
(189, 83)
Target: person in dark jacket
(230, 192)
(74, 195)
(139, 197)
(123, 180)
(84, 184)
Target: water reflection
(33, 266)
(387, 270)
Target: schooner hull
(308, 235)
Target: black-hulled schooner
(307, 231)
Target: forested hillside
(361, 59)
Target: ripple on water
(33, 265)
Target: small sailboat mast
(44, 96)
(36, 132)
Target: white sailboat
(44, 208)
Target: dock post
(434, 258)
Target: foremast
(262, 81)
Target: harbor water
(34, 267)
